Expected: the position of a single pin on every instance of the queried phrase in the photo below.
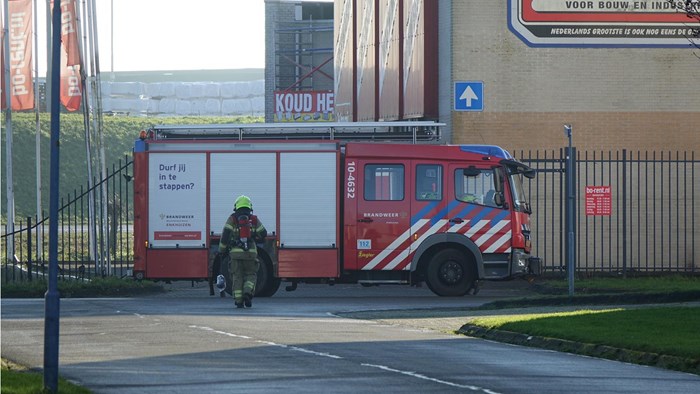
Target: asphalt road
(186, 341)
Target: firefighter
(241, 231)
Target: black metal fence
(649, 223)
(95, 233)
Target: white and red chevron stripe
(489, 230)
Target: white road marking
(421, 376)
(333, 356)
(294, 348)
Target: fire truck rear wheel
(267, 284)
(449, 274)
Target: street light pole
(52, 298)
(570, 207)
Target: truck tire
(267, 285)
(449, 274)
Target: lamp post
(570, 206)
(52, 298)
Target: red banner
(69, 31)
(20, 37)
(71, 89)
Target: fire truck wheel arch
(434, 243)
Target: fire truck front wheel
(449, 274)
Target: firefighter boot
(239, 304)
(248, 300)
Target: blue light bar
(487, 150)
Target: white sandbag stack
(184, 98)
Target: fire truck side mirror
(499, 200)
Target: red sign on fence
(598, 201)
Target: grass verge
(651, 334)
(663, 330)
(607, 291)
(98, 287)
(17, 379)
(611, 285)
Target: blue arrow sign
(469, 96)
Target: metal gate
(87, 248)
(651, 226)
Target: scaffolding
(304, 55)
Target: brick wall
(615, 98)
(591, 130)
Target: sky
(182, 34)
(174, 34)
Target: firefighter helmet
(242, 202)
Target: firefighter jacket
(241, 247)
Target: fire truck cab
(336, 210)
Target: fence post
(624, 213)
(29, 248)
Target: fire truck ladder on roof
(406, 131)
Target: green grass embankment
(655, 322)
(119, 133)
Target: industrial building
(507, 72)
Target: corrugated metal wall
(344, 59)
(391, 60)
(365, 40)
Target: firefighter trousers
(245, 274)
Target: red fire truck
(337, 209)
